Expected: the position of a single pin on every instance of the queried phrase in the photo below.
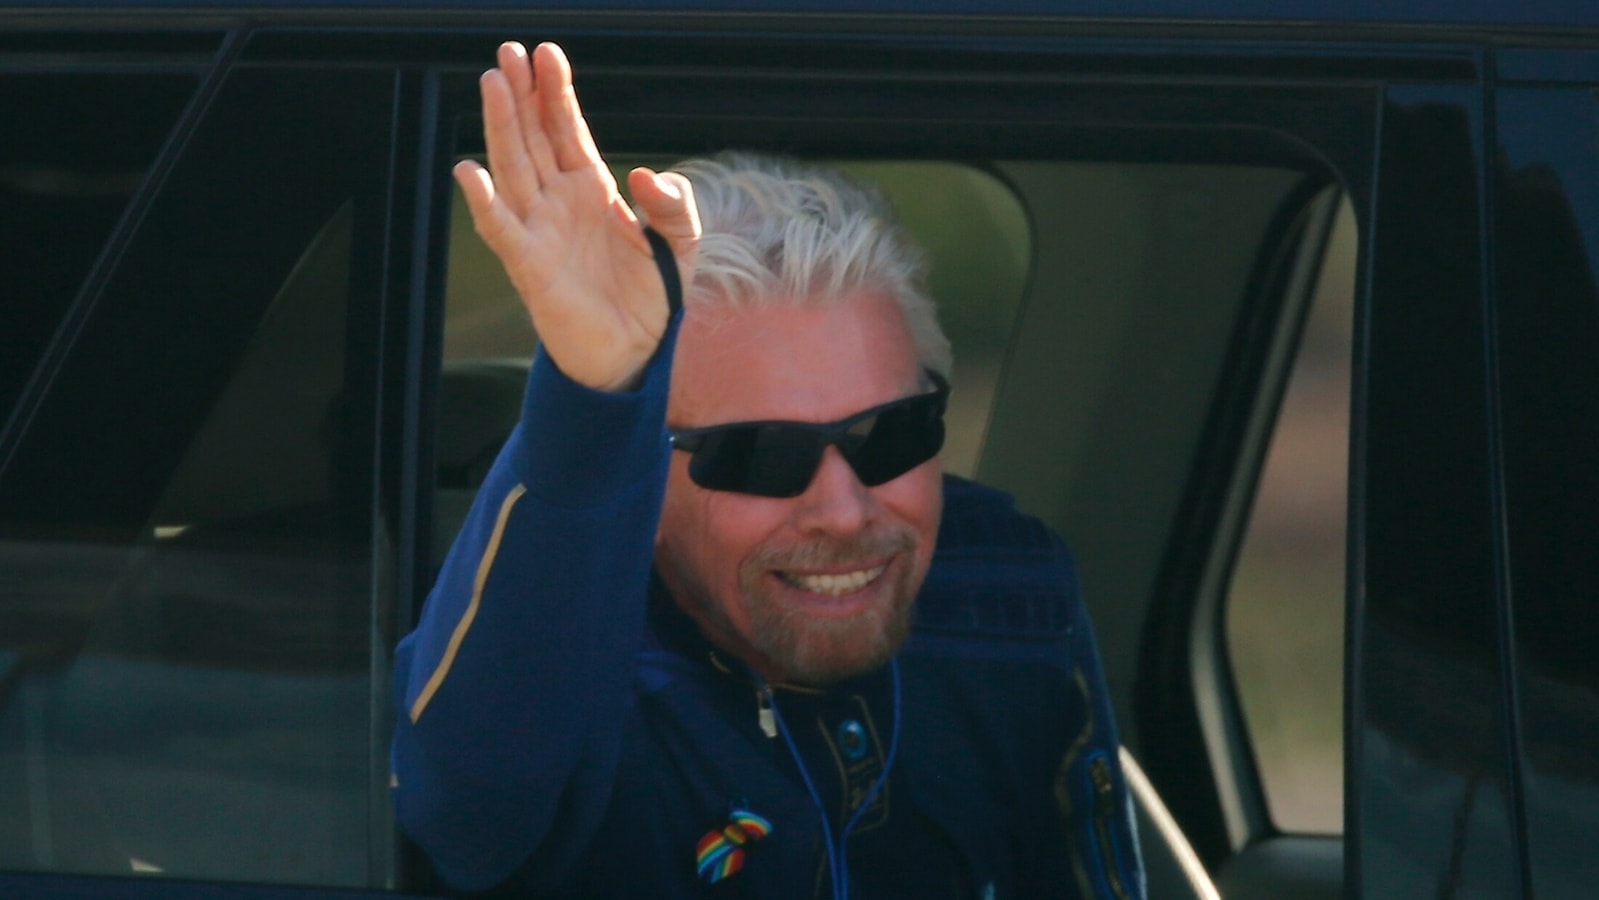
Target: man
(668, 654)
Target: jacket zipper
(1104, 808)
(763, 712)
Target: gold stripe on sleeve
(465, 624)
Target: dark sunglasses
(779, 459)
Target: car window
(1433, 800)
(1547, 238)
(1285, 604)
(189, 682)
(63, 186)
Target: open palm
(549, 209)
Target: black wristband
(667, 263)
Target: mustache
(869, 546)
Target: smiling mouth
(836, 585)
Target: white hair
(777, 229)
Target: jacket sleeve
(1091, 789)
(514, 687)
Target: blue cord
(837, 855)
(805, 775)
(888, 765)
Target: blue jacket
(564, 730)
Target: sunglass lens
(779, 459)
(900, 439)
(772, 461)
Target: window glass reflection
(186, 620)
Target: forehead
(808, 362)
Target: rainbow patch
(720, 853)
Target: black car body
(251, 364)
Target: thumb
(667, 201)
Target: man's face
(818, 587)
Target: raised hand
(549, 209)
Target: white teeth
(834, 585)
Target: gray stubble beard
(818, 651)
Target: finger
(477, 189)
(560, 113)
(512, 58)
(518, 68)
(667, 200)
(513, 170)
(494, 221)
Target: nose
(835, 502)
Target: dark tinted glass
(187, 614)
(898, 440)
(780, 459)
(71, 158)
(1548, 314)
(757, 457)
(1432, 798)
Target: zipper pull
(763, 711)
(1099, 773)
